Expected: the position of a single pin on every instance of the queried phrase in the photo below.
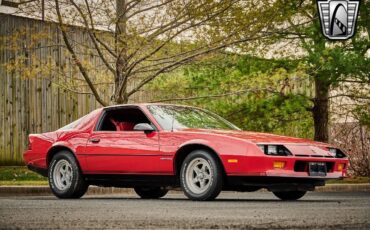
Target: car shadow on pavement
(176, 199)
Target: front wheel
(151, 192)
(290, 195)
(201, 176)
(65, 178)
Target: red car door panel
(124, 152)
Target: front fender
(232, 152)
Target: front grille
(302, 166)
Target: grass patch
(23, 182)
(350, 180)
(19, 173)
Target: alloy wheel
(199, 175)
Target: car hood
(258, 137)
(298, 146)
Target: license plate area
(317, 169)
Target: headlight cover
(274, 150)
(337, 153)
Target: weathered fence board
(35, 105)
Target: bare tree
(138, 40)
(354, 138)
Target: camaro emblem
(338, 18)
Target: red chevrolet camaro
(153, 147)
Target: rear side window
(121, 119)
(79, 122)
(72, 125)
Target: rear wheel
(151, 192)
(290, 195)
(65, 178)
(201, 176)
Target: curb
(344, 188)
(45, 190)
(94, 190)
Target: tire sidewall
(151, 192)
(290, 195)
(215, 176)
(76, 176)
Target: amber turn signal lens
(232, 160)
(279, 164)
(341, 167)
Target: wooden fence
(35, 102)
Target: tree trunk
(320, 110)
(120, 90)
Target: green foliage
(18, 173)
(362, 114)
(255, 94)
(273, 114)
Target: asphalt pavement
(257, 210)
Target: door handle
(94, 140)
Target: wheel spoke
(202, 184)
(207, 176)
(198, 175)
(203, 168)
(197, 170)
(63, 174)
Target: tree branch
(201, 97)
(94, 34)
(350, 96)
(148, 8)
(216, 95)
(75, 58)
(101, 55)
(158, 48)
(185, 60)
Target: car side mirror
(147, 128)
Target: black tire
(77, 187)
(290, 195)
(151, 192)
(215, 176)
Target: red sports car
(153, 147)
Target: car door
(124, 152)
(128, 152)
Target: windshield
(180, 117)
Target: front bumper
(294, 167)
(271, 183)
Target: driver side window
(121, 119)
